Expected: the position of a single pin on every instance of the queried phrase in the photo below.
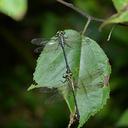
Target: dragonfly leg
(63, 81)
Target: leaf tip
(32, 86)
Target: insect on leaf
(90, 68)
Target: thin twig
(86, 26)
(83, 13)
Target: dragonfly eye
(60, 33)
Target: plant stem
(83, 13)
(86, 25)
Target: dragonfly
(60, 37)
(68, 77)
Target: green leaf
(90, 68)
(16, 9)
(123, 121)
(121, 16)
(120, 4)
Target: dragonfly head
(60, 33)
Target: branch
(85, 14)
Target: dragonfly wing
(38, 41)
(38, 50)
(52, 96)
(51, 46)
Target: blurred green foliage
(123, 121)
(119, 4)
(122, 13)
(14, 8)
(21, 109)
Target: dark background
(22, 109)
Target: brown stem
(83, 13)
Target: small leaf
(122, 13)
(120, 4)
(121, 17)
(16, 9)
